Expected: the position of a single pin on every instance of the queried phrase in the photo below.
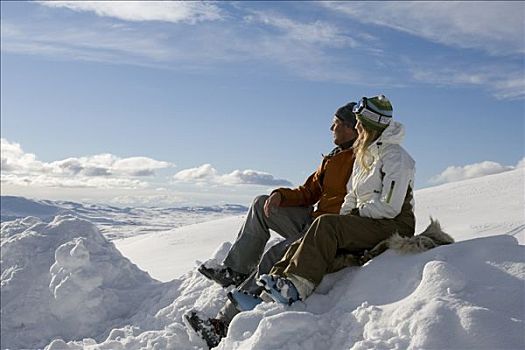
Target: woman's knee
(324, 226)
(328, 219)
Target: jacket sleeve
(350, 201)
(307, 194)
(398, 169)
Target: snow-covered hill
(480, 207)
(64, 280)
(114, 222)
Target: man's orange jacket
(326, 186)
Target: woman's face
(359, 127)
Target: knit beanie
(346, 114)
(381, 114)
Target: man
(288, 212)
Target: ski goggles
(362, 109)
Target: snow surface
(170, 254)
(65, 285)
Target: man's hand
(272, 202)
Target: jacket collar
(340, 148)
(393, 134)
(346, 145)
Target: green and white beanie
(381, 115)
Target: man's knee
(258, 202)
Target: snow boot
(243, 300)
(280, 289)
(222, 275)
(211, 330)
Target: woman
(379, 203)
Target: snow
(480, 207)
(170, 254)
(65, 286)
(65, 279)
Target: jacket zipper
(389, 197)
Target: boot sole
(192, 324)
(204, 271)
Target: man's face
(341, 132)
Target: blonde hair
(365, 139)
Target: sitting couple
(363, 191)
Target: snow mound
(467, 295)
(165, 329)
(64, 279)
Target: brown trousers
(330, 238)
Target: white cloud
(458, 173)
(98, 171)
(165, 11)
(206, 174)
(138, 166)
(495, 27)
(108, 164)
(15, 159)
(252, 177)
(504, 83)
(305, 47)
(317, 32)
(203, 173)
(100, 43)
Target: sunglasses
(362, 109)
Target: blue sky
(166, 103)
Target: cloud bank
(98, 171)
(207, 174)
(458, 173)
(108, 171)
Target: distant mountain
(115, 222)
(18, 207)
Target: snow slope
(480, 207)
(80, 290)
(170, 254)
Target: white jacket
(380, 192)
